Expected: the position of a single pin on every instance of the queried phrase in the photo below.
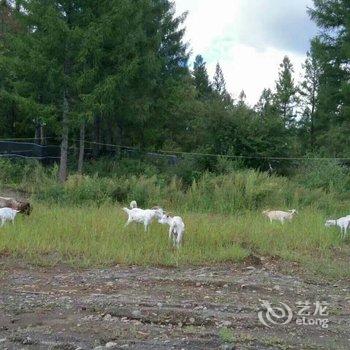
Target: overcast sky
(249, 38)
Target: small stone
(192, 320)
(136, 313)
(227, 323)
(107, 317)
(110, 345)
(28, 341)
(160, 305)
(228, 347)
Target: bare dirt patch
(155, 308)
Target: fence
(51, 153)
(14, 149)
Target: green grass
(226, 335)
(91, 236)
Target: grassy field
(91, 236)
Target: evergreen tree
(285, 96)
(219, 86)
(332, 50)
(264, 107)
(242, 98)
(201, 77)
(309, 91)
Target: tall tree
(309, 91)
(201, 77)
(242, 98)
(264, 107)
(332, 49)
(285, 96)
(219, 86)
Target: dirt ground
(159, 308)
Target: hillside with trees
(119, 72)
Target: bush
(328, 175)
(235, 191)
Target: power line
(28, 138)
(26, 157)
(217, 155)
(193, 154)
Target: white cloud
(249, 38)
(250, 69)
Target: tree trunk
(109, 138)
(97, 133)
(37, 133)
(312, 121)
(64, 144)
(42, 134)
(81, 148)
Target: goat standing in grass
(133, 205)
(343, 223)
(7, 214)
(279, 215)
(143, 216)
(176, 229)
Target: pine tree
(242, 98)
(45, 59)
(219, 83)
(309, 91)
(285, 96)
(201, 77)
(332, 50)
(264, 107)
(219, 86)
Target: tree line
(118, 72)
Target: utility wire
(217, 155)
(194, 154)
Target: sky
(249, 38)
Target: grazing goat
(22, 207)
(133, 205)
(343, 223)
(142, 216)
(280, 215)
(176, 229)
(7, 214)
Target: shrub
(328, 175)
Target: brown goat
(23, 207)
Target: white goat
(176, 229)
(7, 214)
(343, 223)
(143, 216)
(133, 205)
(280, 215)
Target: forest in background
(118, 72)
